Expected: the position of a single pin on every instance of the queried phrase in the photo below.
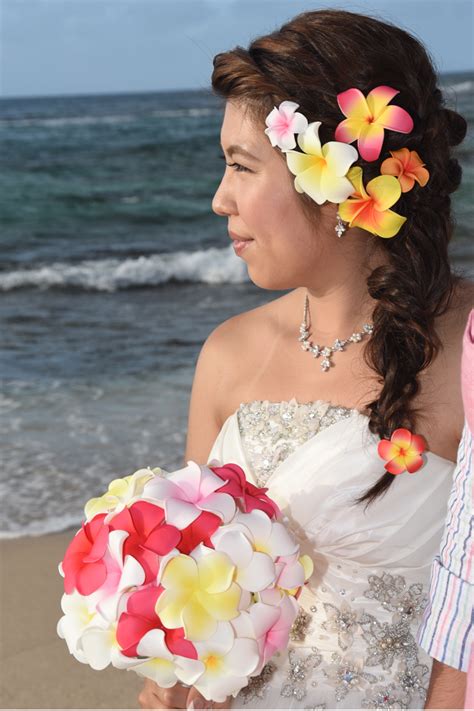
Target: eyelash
(243, 169)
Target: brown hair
(310, 60)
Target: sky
(54, 47)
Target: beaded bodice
(272, 430)
(353, 644)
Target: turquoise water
(113, 270)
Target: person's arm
(447, 687)
(203, 428)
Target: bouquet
(183, 577)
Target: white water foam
(58, 122)
(209, 266)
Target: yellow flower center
(260, 547)
(213, 662)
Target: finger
(175, 697)
(196, 700)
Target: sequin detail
(301, 626)
(271, 431)
(391, 591)
(387, 642)
(341, 621)
(257, 685)
(346, 675)
(299, 673)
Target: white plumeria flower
(321, 170)
(283, 122)
(226, 661)
(161, 666)
(255, 570)
(79, 614)
(266, 536)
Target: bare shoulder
(233, 346)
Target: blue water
(113, 270)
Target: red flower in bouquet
(83, 565)
(149, 535)
(253, 497)
(141, 618)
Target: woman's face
(259, 199)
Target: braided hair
(310, 60)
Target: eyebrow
(234, 148)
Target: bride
(366, 271)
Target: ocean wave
(462, 87)
(208, 266)
(55, 122)
(39, 528)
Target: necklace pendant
(325, 365)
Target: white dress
(353, 642)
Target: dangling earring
(340, 227)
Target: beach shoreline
(38, 671)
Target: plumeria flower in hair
(368, 117)
(408, 167)
(402, 451)
(283, 122)
(320, 170)
(368, 207)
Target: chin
(272, 282)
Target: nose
(223, 203)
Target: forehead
(238, 127)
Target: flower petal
(310, 183)
(309, 140)
(385, 190)
(418, 443)
(335, 189)
(243, 658)
(370, 141)
(387, 449)
(216, 572)
(386, 224)
(299, 162)
(198, 623)
(259, 575)
(339, 157)
(349, 130)
(181, 573)
(222, 606)
(378, 98)
(353, 103)
(396, 119)
(396, 465)
(413, 462)
(402, 437)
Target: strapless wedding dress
(353, 644)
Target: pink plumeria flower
(189, 491)
(283, 122)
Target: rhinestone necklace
(327, 351)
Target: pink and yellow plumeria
(403, 451)
(187, 576)
(326, 172)
(368, 117)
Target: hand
(178, 696)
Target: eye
(239, 168)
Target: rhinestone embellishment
(328, 351)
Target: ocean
(113, 271)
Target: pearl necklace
(327, 351)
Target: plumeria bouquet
(182, 577)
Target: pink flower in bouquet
(189, 491)
(149, 535)
(253, 497)
(83, 564)
(141, 618)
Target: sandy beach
(37, 669)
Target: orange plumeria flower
(407, 166)
(368, 207)
(403, 451)
(368, 117)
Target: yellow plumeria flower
(321, 170)
(368, 207)
(198, 594)
(119, 493)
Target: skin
(292, 252)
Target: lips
(238, 238)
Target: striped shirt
(447, 630)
